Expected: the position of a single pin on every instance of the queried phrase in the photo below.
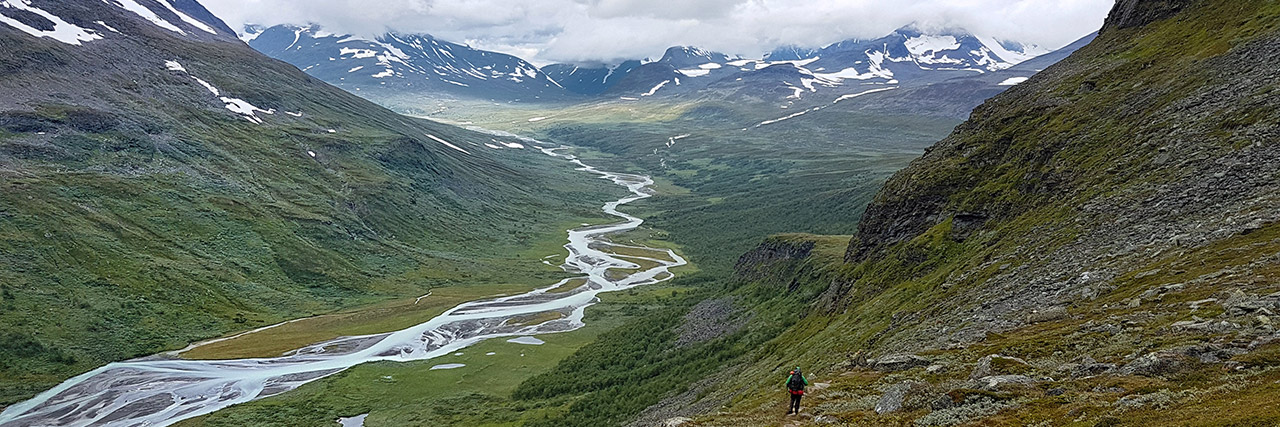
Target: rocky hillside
(1096, 246)
(163, 182)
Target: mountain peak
(689, 56)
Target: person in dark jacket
(795, 386)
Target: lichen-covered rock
(676, 421)
(907, 395)
(995, 364)
(1005, 382)
(898, 362)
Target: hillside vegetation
(138, 214)
(1096, 246)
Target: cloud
(587, 31)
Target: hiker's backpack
(796, 382)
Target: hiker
(795, 385)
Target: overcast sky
(584, 31)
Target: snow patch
(655, 88)
(244, 108)
(855, 95)
(446, 143)
(140, 10)
(1013, 81)
(208, 86)
(527, 341)
(672, 140)
(356, 421)
(108, 27)
(926, 44)
(448, 366)
(769, 122)
(694, 73)
(537, 119)
(236, 105)
(187, 18)
(62, 31)
(1009, 57)
(356, 53)
(355, 69)
(249, 34)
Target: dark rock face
(772, 251)
(1136, 13)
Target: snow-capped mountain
(691, 57)
(589, 79)
(66, 22)
(413, 63)
(416, 65)
(790, 53)
(956, 97)
(907, 57)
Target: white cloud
(610, 30)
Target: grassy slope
(138, 215)
(1029, 165)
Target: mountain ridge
(398, 62)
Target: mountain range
(396, 64)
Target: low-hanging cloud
(593, 31)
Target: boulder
(1048, 315)
(995, 364)
(1085, 366)
(1239, 303)
(899, 362)
(1159, 364)
(1004, 382)
(676, 421)
(906, 395)
(1204, 327)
